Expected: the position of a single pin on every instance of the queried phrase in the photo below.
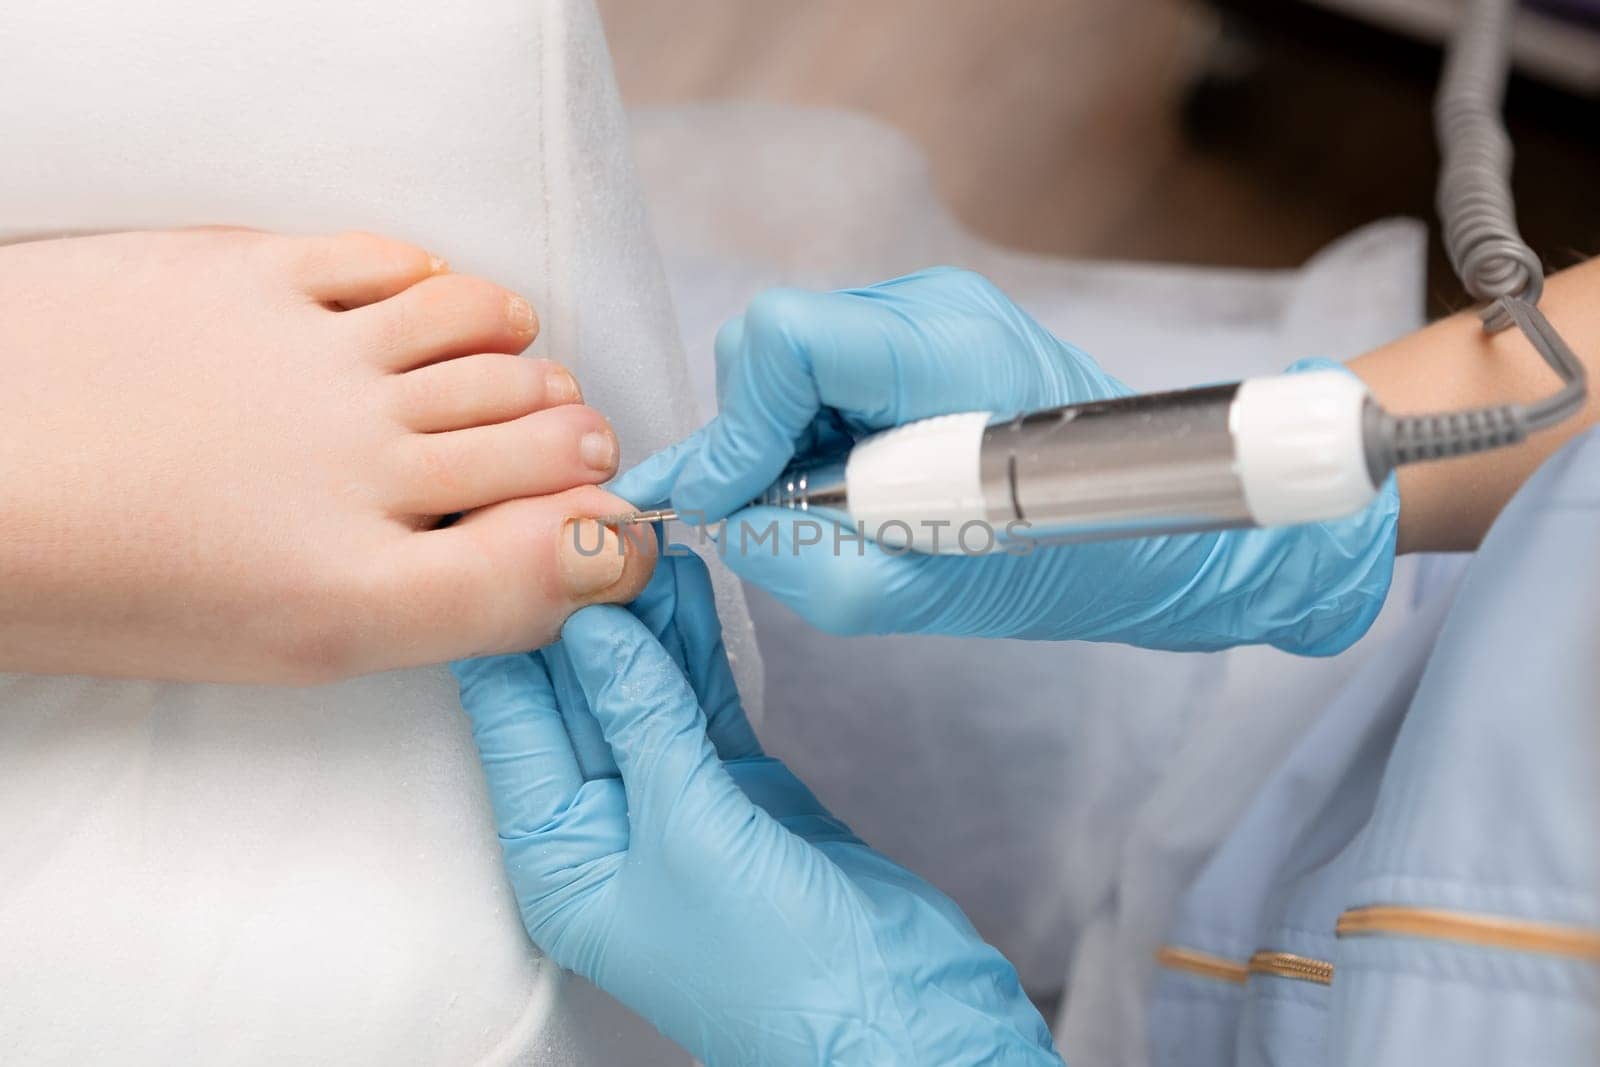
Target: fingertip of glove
(584, 623)
(471, 675)
(689, 571)
(730, 335)
(653, 478)
(467, 671)
(698, 496)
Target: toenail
(560, 387)
(437, 265)
(592, 557)
(520, 312)
(599, 450)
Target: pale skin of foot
(224, 455)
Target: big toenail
(592, 557)
(520, 312)
(599, 450)
(560, 387)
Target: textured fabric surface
(1490, 802)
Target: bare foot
(223, 454)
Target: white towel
(241, 875)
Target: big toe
(505, 577)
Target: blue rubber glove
(803, 372)
(657, 852)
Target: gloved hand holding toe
(655, 850)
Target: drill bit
(638, 518)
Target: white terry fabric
(1064, 794)
(232, 874)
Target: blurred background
(1240, 133)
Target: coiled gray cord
(1480, 228)
(1488, 253)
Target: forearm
(1454, 364)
